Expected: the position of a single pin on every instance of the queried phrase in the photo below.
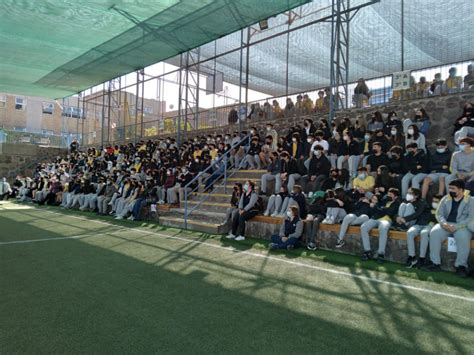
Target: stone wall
(23, 158)
(443, 111)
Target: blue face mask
(462, 147)
(362, 176)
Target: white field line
(263, 256)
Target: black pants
(4, 196)
(238, 223)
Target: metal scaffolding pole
(83, 116)
(241, 78)
(109, 93)
(136, 107)
(180, 97)
(102, 116)
(142, 72)
(341, 16)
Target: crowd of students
(376, 174)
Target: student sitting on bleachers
(278, 203)
(318, 171)
(233, 210)
(462, 162)
(383, 213)
(337, 206)
(416, 162)
(248, 209)
(363, 183)
(360, 214)
(273, 174)
(316, 214)
(454, 213)
(422, 227)
(439, 169)
(291, 231)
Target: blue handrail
(222, 159)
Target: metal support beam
(341, 16)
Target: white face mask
(269, 128)
(317, 153)
(411, 131)
(441, 150)
(434, 205)
(294, 140)
(410, 197)
(252, 131)
(289, 214)
(309, 140)
(345, 138)
(366, 137)
(393, 132)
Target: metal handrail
(224, 160)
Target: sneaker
(461, 271)
(411, 261)
(431, 267)
(340, 243)
(420, 263)
(328, 221)
(366, 256)
(311, 246)
(131, 218)
(266, 214)
(119, 217)
(230, 236)
(272, 246)
(274, 214)
(380, 258)
(240, 238)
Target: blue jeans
(276, 239)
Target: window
(3, 101)
(48, 108)
(20, 103)
(148, 110)
(73, 112)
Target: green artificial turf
(142, 288)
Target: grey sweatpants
(463, 242)
(383, 227)
(424, 233)
(351, 220)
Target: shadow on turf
(329, 256)
(71, 296)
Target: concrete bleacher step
(249, 174)
(208, 206)
(199, 213)
(193, 224)
(214, 197)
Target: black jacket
(417, 163)
(381, 209)
(437, 162)
(319, 166)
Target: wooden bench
(397, 235)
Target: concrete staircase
(210, 215)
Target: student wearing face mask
(290, 231)
(415, 162)
(273, 174)
(278, 203)
(248, 208)
(383, 215)
(349, 153)
(392, 122)
(233, 210)
(295, 148)
(363, 183)
(439, 166)
(462, 162)
(309, 128)
(252, 158)
(422, 227)
(413, 135)
(318, 172)
(454, 214)
(335, 147)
